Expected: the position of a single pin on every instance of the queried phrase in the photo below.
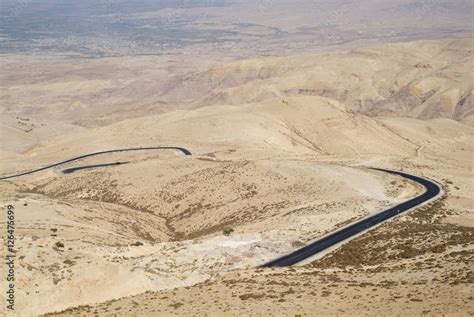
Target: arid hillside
(282, 150)
(424, 79)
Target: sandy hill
(280, 146)
(428, 79)
(255, 170)
(422, 79)
(272, 171)
(294, 126)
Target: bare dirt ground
(418, 264)
(281, 167)
(167, 233)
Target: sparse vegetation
(176, 305)
(69, 262)
(227, 231)
(297, 244)
(251, 296)
(281, 147)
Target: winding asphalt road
(433, 190)
(180, 149)
(85, 167)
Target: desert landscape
(283, 144)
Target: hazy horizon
(109, 28)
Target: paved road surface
(85, 167)
(432, 190)
(180, 149)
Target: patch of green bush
(227, 231)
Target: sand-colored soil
(277, 157)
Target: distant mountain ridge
(423, 79)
